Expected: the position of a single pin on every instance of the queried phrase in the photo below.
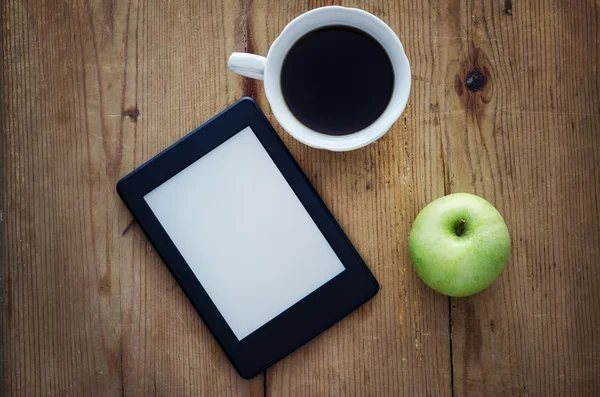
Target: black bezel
(304, 320)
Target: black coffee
(337, 80)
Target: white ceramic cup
(269, 70)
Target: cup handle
(248, 65)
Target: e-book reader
(247, 238)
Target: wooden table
(92, 89)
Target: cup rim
(296, 29)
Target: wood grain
(90, 90)
(529, 143)
(397, 344)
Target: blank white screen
(244, 233)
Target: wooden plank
(397, 344)
(529, 143)
(89, 91)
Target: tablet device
(247, 238)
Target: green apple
(459, 244)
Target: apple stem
(460, 228)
